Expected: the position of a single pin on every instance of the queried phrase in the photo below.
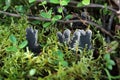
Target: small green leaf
(11, 48)
(31, 1)
(63, 3)
(67, 1)
(5, 8)
(60, 55)
(46, 24)
(32, 72)
(86, 2)
(50, 12)
(43, 3)
(64, 63)
(105, 11)
(111, 62)
(8, 3)
(56, 17)
(68, 16)
(80, 4)
(60, 9)
(109, 67)
(13, 39)
(20, 8)
(59, 52)
(23, 44)
(45, 15)
(114, 45)
(107, 57)
(54, 1)
(35, 22)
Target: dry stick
(110, 25)
(101, 6)
(117, 2)
(9, 14)
(98, 6)
(74, 3)
(100, 28)
(61, 21)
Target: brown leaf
(117, 27)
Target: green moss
(55, 62)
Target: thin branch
(101, 6)
(110, 25)
(61, 21)
(110, 21)
(117, 2)
(9, 14)
(100, 28)
(73, 3)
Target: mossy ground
(55, 62)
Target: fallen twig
(61, 21)
(91, 5)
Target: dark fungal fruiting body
(31, 36)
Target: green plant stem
(110, 77)
(108, 74)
